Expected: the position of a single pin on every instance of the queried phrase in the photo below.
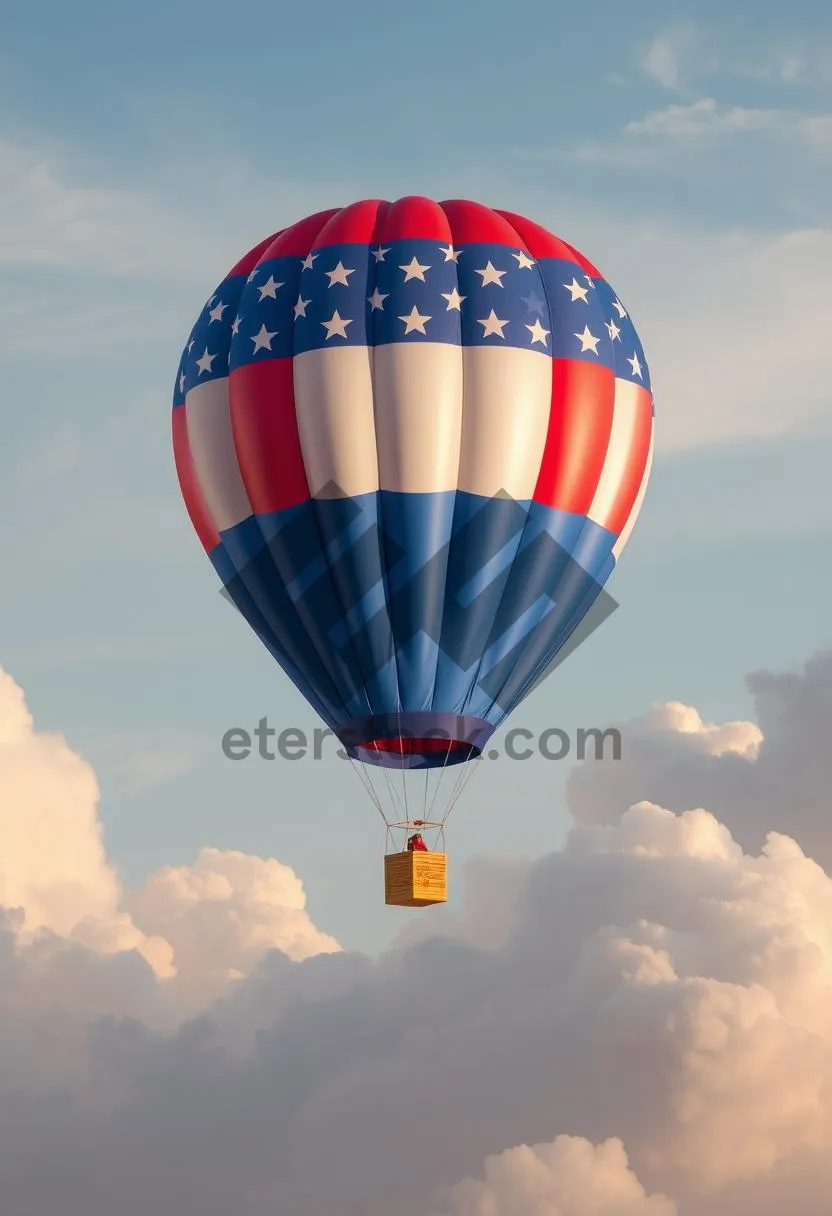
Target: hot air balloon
(413, 439)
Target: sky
(213, 932)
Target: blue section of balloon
(413, 604)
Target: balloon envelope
(413, 438)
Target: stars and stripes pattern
(414, 291)
(415, 360)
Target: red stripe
(266, 436)
(357, 224)
(198, 512)
(415, 218)
(472, 223)
(633, 472)
(580, 422)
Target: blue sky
(143, 148)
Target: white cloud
(708, 119)
(198, 926)
(480, 921)
(569, 1177)
(666, 138)
(662, 61)
(755, 776)
(687, 52)
(223, 913)
(52, 859)
(662, 988)
(647, 1025)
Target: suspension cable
(368, 786)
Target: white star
(451, 254)
(336, 327)
(269, 288)
(490, 275)
(577, 292)
(339, 275)
(636, 366)
(190, 345)
(414, 271)
(588, 341)
(252, 276)
(376, 300)
(617, 306)
(182, 382)
(589, 280)
(492, 323)
(306, 264)
(300, 307)
(524, 262)
(454, 300)
(205, 361)
(263, 339)
(415, 321)
(612, 330)
(379, 253)
(235, 327)
(216, 313)
(538, 333)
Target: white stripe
(633, 516)
(418, 415)
(208, 419)
(624, 419)
(505, 419)
(334, 408)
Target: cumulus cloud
(569, 1177)
(756, 777)
(481, 921)
(52, 859)
(643, 1026)
(203, 926)
(223, 913)
(661, 987)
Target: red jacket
(417, 846)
